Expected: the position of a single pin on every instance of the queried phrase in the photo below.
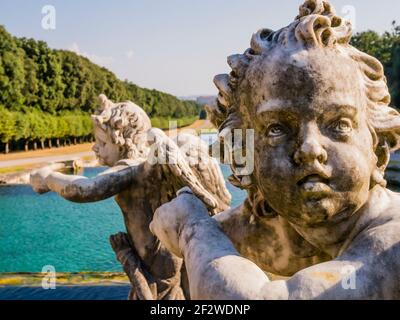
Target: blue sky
(175, 46)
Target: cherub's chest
(149, 192)
(139, 200)
(271, 246)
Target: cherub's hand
(120, 242)
(38, 180)
(169, 219)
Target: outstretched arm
(82, 189)
(217, 271)
(214, 267)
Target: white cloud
(129, 54)
(74, 48)
(100, 60)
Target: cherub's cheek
(346, 156)
(277, 158)
(350, 169)
(276, 170)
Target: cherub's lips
(314, 184)
(313, 178)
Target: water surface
(38, 230)
(47, 230)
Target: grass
(163, 123)
(63, 278)
(15, 169)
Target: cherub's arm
(238, 223)
(217, 271)
(82, 189)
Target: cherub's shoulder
(229, 215)
(135, 168)
(129, 162)
(392, 209)
(384, 229)
(378, 228)
(383, 205)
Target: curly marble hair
(126, 124)
(316, 26)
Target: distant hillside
(39, 87)
(203, 100)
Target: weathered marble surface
(318, 209)
(147, 168)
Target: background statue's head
(320, 110)
(120, 131)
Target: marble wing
(206, 168)
(186, 163)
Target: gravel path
(38, 160)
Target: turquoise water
(47, 230)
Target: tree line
(47, 95)
(23, 130)
(386, 48)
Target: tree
(49, 94)
(395, 76)
(11, 71)
(22, 129)
(7, 127)
(385, 48)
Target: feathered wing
(206, 168)
(172, 167)
(189, 165)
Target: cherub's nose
(310, 148)
(95, 148)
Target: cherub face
(105, 149)
(314, 153)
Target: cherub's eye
(342, 126)
(275, 130)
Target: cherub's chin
(316, 204)
(318, 210)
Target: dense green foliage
(386, 48)
(36, 126)
(49, 94)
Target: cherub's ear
(386, 122)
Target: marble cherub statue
(147, 168)
(318, 210)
